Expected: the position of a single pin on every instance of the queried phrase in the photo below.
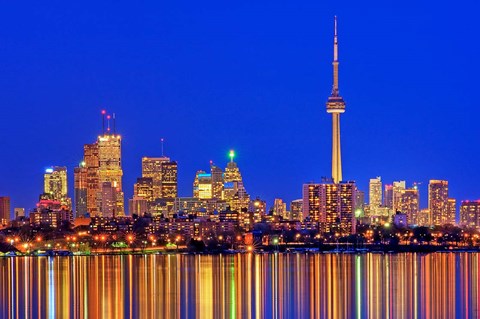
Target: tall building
(90, 158)
(55, 185)
(375, 193)
(217, 181)
(336, 106)
(397, 194)
(388, 196)
(332, 205)
(80, 174)
(234, 191)
(4, 210)
(203, 185)
(359, 203)
(470, 213)
(103, 161)
(438, 202)
(280, 208)
(296, 210)
(452, 210)
(410, 205)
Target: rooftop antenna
(161, 141)
(108, 123)
(103, 121)
(114, 125)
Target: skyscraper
(296, 210)
(103, 161)
(80, 189)
(410, 205)
(4, 210)
(398, 191)
(470, 213)
(375, 193)
(438, 202)
(336, 106)
(55, 185)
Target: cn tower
(336, 106)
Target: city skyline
(422, 159)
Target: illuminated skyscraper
(280, 208)
(470, 213)
(296, 210)
(103, 161)
(452, 211)
(336, 106)
(375, 193)
(398, 191)
(388, 196)
(152, 168)
(203, 185)
(234, 191)
(90, 158)
(80, 189)
(55, 185)
(438, 202)
(4, 210)
(410, 205)
(217, 181)
(332, 205)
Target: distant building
(388, 196)
(410, 205)
(398, 191)
(375, 193)
(359, 203)
(280, 208)
(470, 213)
(80, 174)
(438, 203)
(4, 210)
(332, 205)
(18, 212)
(452, 210)
(296, 210)
(400, 219)
(55, 185)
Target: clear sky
(209, 76)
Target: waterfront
(405, 285)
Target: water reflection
(242, 286)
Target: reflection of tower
(336, 106)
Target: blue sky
(248, 75)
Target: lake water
(440, 285)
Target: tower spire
(335, 60)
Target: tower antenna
(103, 121)
(114, 125)
(161, 141)
(108, 124)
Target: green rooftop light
(231, 155)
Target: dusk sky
(252, 76)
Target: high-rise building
(90, 159)
(280, 208)
(80, 174)
(217, 181)
(203, 185)
(398, 190)
(388, 196)
(332, 205)
(438, 202)
(55, 185)
(452, 211)
(375, 193)
(259, 209)
(234, 191)
(359, 203)
(410, 205)
(4, 210)
(470, 213)
(336, 106)
(296, 210)
(103, 161)
(311, 200)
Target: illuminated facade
(470, 214)
(397, 194)
(280, 208)
(296, 210)
(103, 162)
(332, 205)
(388, 196)
(336, 106)
(438, 202)
(55, 185)
(375, 193)
(4, 210)
(80, 174)
(410, 205)
(452, 211)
